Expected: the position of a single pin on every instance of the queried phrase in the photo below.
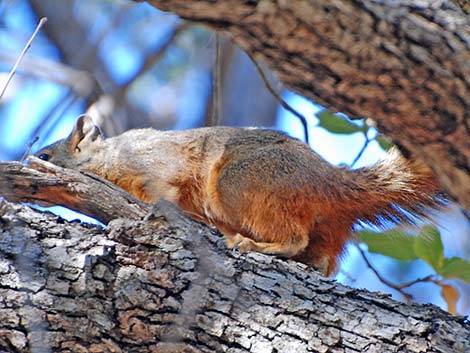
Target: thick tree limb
(168, 284)
(405, 64)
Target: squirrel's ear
(84, 131)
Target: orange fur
(132, 184)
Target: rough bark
(168, 284)
(464, 5)
(405, 64)
(49, 185)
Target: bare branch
(382, 279)
(217, 82)
(398, 287)
(361, 152)
(154, 57)
(41, 23)
(281, 101)
(28, 150)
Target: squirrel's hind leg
(287, 249)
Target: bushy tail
(397, 189)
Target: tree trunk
(169, 284)
(405, 64)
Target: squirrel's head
(77, 150)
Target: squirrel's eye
(44, 156)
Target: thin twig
(428, 278)
(52, 118)
(216, 83)
(41, 23)
(119, 94)
(154, 57)
(281, 101)
(385, 281)
(361, 152)
(397, 287)
(30, 145)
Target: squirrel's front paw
(240, 242)
(246, 245)
(233, 241)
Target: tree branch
(49, 185)
(169, 284)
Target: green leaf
(428, 246)
(384, 142)
(455, 267)
(394, 243)
(336, 124)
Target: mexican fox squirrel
(262, 189)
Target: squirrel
(263, 190)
